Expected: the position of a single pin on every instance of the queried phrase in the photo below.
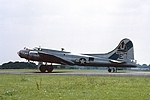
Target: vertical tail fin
(124, 51)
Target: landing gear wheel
(109, 70)
(50, 69)
(42, 68)
(114, 70)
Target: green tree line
(18, 65)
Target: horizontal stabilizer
(117, 61)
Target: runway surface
(81, 73)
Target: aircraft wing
(46, 57)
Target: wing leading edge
(54, 59)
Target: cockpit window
(33, 53)
(36, 48)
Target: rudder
(124, 51)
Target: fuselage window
(91, 59)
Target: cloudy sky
(81, 26)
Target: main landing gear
(114, 70)
(44, 68)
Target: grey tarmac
(81, 73)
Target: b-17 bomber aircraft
(121, 56)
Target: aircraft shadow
(55, 72)
(72, 71)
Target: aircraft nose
(19, 53)
(22, 53)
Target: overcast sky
(80, 26)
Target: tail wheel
(109, 70)
(50, 69)
(42, 68)
(114, 70)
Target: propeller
(27, 51)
